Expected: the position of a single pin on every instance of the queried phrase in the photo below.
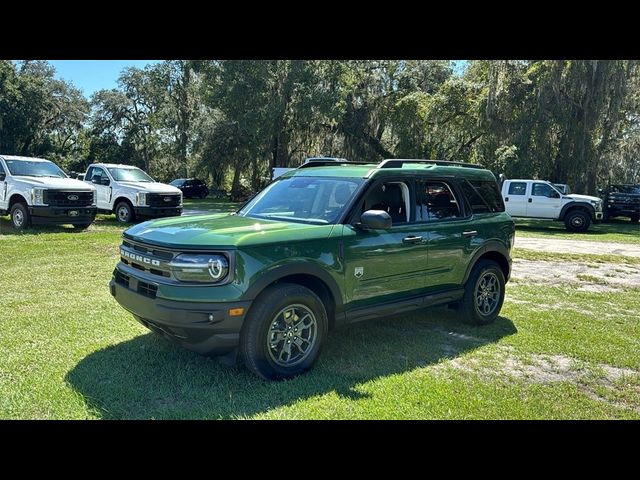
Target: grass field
(70, 351)
(618, 230)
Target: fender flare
(584, 205)
(488, 247)
(298, 268)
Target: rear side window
(517, 188)
(435, 201)
(483, 196)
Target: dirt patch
(597, 381)
(557, 245)
(601, 277)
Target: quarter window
(435, 201)
(483, 196)
(518, 188)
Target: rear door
(515, 199)
(544, 201)
(442, 216)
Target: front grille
(147, 289)
(149, 250)
(121, 278)
(163, 200)
(65, 198)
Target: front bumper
(158, 211)
(623, 210)
(205, 328)
(61, 215)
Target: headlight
(200, 268)
(95, 198)
(37, 196)
(141, 198)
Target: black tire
(124, 212)
(81, 226)
(267, 334)
(577, 221)
(20, 218)
(472, 311)
(634, 218)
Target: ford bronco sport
(324, 245)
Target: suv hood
(583, 198)
(223, 230)
(151, 187)
(49, 182)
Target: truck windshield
(30, 168)
(129, 175)
(303, 199)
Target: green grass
(618, 231)
(70, 351)
(536, 255)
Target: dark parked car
(621, 201)
(191, 187)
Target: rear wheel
(81, 226)
(203, 195)
(483, 294)
(283, 332)
(20, 218)
(577, 221)
(124, 212)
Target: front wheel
(20, 218)
(483, 294)
(124, 212)
(283, 332)
(577, 221)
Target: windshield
(129, 175)
(633, 189)
(303, 199)
(29, 168)
(177, 183)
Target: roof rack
(329, 162)
(399, 162)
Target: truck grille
(65, 198)
(163, 200)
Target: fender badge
(358, 272)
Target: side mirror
(376, 219)
(2, 176)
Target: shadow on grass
(547, 227)
(101, 222)
(149, 377)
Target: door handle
(411, 239)
(530, 200)
(470, 233)
(506, 199)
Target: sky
(93, 75)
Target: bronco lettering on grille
(139, 258)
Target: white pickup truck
(35, 190)
(541, 199)
(129, 192)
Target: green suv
(324, 245)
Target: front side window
(436, 201)
(541, 190)
(317, 200)
(98, 174)
(30, 168)
(518, 188)
(391, 197)
(129, 175)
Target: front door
(384, 265)
(515, 200)
(95, 177)
(544, 201)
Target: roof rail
(329, 162)
(399, 162)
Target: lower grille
(147, 289)
(121, 278)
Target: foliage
(232, 121)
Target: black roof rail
(399, 162)
(330, 162)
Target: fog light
(236, 312)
